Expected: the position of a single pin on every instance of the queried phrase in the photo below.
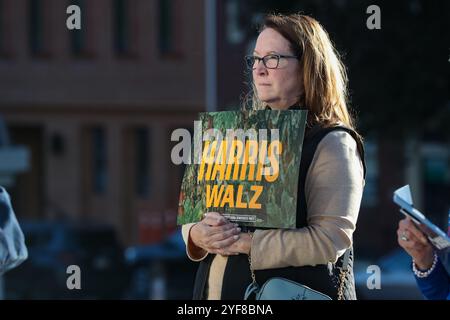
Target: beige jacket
(333, 187)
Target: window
(165, 26)
(142, 162)
(36, 27)
(235, 35)
(78, 41)
(169, 20)
(99, 161)
(123, 25)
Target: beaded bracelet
(424, 274)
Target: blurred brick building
(96, 106)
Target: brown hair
(323, 73)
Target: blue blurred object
(172, 247)
(53, 246)
(396, 278)
(162, 270)
(12, 245)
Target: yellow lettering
(228, 197)
(201, 170)
(253, 204)
(233, 159)
(261, 160)
(213, 196)
(275, 150)
(210, 160)
(239, 203)
(220, 164)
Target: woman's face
(280, 88)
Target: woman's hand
(215, 234)
(415, 243)
(243, 245)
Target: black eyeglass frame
(250, 60)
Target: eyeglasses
(270, 61)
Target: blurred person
(431, 275)
(294, 66)
(12, 242)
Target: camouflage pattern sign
(246, 168)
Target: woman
(431, 276)
(294, 65)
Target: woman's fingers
(199, 234)
(407, 229)
(411, 239)
(402, 234)
(413, 246)
(403, 224)
(214, 219)
(221, 244)
(226, 234)
(410, 227)
(408, 238)
(215, 233)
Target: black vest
(323, 278)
